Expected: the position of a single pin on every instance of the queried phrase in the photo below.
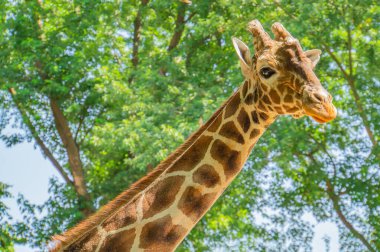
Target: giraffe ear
(242, 51)
(314, 55)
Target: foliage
(7, 238)
(133, 78)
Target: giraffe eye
(267, 72)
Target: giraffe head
(283, 74)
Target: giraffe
(159, 210)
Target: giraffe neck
(162, 214)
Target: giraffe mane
(59, 242)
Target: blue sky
(24, 167)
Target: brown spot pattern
(125, 216)
(245, 89)
(161, 235)
(249, 84)
(263, 116)
(298, 83)
(194, 204)
(193, 155)
(293, 109)
(288, 98)
(88, 243)
(279, 109)
(262, 106)
(256, 95)
(254, 133)
(281, 88)
(274, 96)
(206, 175)
(215, 125)
(121, 241)
(270, 107)
(243, 119)
(162, 195)
(255, 118)
(266, 99)
(249, 99)
(230, 131)
(229, 159)
(232, 106)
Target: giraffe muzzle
(317, 103)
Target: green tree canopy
(7, 237)
(107, 90)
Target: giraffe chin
(318, 120)
(327, 114)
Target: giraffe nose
(321, 96)
(317, 103)
(317, 97)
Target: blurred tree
(335, 169)
(7, 239)
(108, 90)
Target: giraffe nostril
(317, 97)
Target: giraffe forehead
(267, 59)
(293, 61)
(291, 52)
(281, 54)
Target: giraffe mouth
(317, 103)
(320, 112)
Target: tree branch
(190, 17)
(178, 31)
(72, 151)
(347, 75)
(71, 148)
(40, 143)
(279, 5)
(335, 59)
(351, 83)
(86, 131)
(335, 200)
(179, 27)
(81, 120)
(349, 44)
(137, 34)
(66, 136)
(323, 147)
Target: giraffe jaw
(320, 112)
(317, 103)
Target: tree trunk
(45, 150)
(335, 201)
(73, 155)
(65, 134)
